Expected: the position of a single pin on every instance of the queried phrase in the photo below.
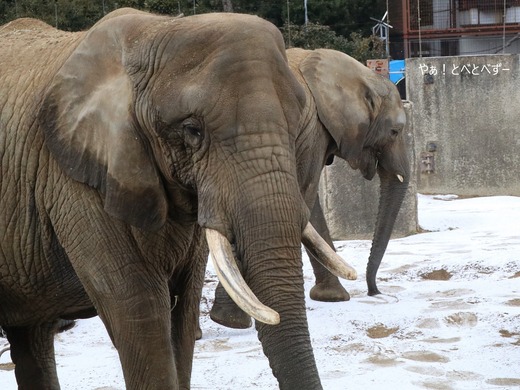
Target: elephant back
(31, 52)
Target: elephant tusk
(326, 255)
(232, 280)
(4, 350)
(401, 178)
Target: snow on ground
(449, 317)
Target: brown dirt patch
(513, 302)
(439, 274)
(436, 384)
(435, 340)
(504, 382)
(516, 275)
(426, 370)
(380, 331)
(425, 356)
(506, 333)
(383, 361)
(462, 319)
(7, 366)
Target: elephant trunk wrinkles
(392, 192)
(273, 270)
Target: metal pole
(419, 26)
(504, 29)
(305, 8)
(56, 12)
(387, 31)
(288, 24)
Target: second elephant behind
(355, 114)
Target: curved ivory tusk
(400, 178)
(326, 255)
(4, 350)
(232, 280)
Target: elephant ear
(87, 119)
(345, 102)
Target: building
(432, 28)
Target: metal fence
(442, 15)
(458, 27)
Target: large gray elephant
(123, 149)
(355, 114)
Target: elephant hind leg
(32, 352)
(327, 288)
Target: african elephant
(355, 114)
(125, 148)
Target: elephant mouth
(222, 255)
(368, 163)
(373, 160)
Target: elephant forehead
(230, 96)
(393, 107)
(209, 34)
(401, 117)
(220, 102)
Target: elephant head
(357, 115)
(194, 120)
(365, 118)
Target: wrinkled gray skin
(357, 115)
(118, 147)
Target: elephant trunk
(276, 277)
(269, 245)
(264, 217)
(392, 191)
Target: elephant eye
(193, 132)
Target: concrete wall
(466, 120)
(350, 202)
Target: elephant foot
(329, 292)
(230, 316)
(372, 292)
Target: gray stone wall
(350, 202)
(466, 124)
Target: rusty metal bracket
(427, 163)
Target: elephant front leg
(186, 292)
(138, 323)
(327, 287)
(32, 352)
(134, 304)
(125, 273)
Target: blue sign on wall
(397, 70)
